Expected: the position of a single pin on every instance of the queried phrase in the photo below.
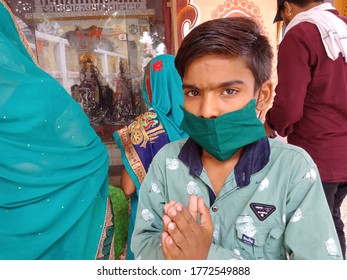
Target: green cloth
(121, 220)
(223, 136)
(54, 168)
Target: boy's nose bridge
(209, 106)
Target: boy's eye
(192, 93)
(229, 91)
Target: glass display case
(97, 50)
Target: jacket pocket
(263, 242)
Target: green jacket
(271, 206)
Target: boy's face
(215, 85)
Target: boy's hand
(183, 237)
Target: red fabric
(310, 106)
(148, 83)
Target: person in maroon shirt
(310, 105)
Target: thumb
(193, 206)
(205, 216)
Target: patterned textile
(140, 140)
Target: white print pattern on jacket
(193, 188)
(155, 188)
(245, 225)
(297, 216)
(263, 185)
(216, 232)
(331, 247)
(147, 215)
(172, 163)
(311, 176)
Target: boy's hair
(228, 37)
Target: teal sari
(54, 168)
(141, 139)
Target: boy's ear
(265, 96)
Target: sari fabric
(162, 91)
(141, 139)
(54, 168)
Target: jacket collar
(253, 159)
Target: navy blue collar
(253, 159)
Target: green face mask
(222, 137)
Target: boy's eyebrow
(188, 86)
(218, 85)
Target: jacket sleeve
(146, 239)
(294, 76)
(310, 232)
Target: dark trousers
(335, 194)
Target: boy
(264, 199)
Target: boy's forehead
(212, 61)
(214, 69)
